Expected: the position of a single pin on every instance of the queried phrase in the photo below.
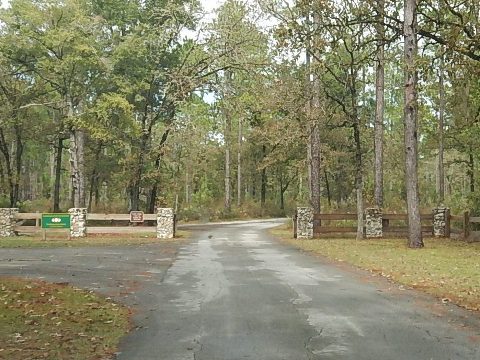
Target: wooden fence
(31, 222)
(322, 224)
(465, 225)
(393, 224)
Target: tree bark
(263, 190)
(327, 187)
(239, 164)
(94, 177)
(415, 239)
(315, 133)
(441, 126)
(227, 138)
(77, 162)
(380, 104)
(58, 174)
(471, 170)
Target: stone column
(441, 222)
(373, 223)
(7, 221)
(165, 223)
(78, 222)
(304, 223)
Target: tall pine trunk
(441, 126)
(77, 162)
(227, 138)
(263, 189)
(415, 239)
(380, 104)
(58, 174)
(315, 155)
(239, 164)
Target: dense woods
(120, 105)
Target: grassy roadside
(54, 321)
(60, 240)
(445, 268)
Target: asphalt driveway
(232, 292)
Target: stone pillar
(165, 223)
(304, 223)
(78, 222)
(441, 222)
(7, 221)
(373, 223)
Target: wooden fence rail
(22, 218)
(320, 228)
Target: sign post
(55, 221)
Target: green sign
(55, 221)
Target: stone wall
(7, 221)
(304, 223)
(441, 222)
(373, 223)
(78, 222)
(165, 223)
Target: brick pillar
(165, 223)
(7, 221)
(304, 223)
(78, 222)
(373, 223)
(441, 222)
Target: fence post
(373, 223)
(304, 223)
(78, 222)
(466, 225)
(7, 221)
(441, 222)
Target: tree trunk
(4, 148)
(282, 192)
(227, 138)
(441, 122)
(327, 188)
(415, 239)
(358, 149)
(152, 197)
(380, 104)
(263, 190)
(315, 133)
(94, 176)
(58, 174)
(77, 162)
(308, 110)
(239, 164)
(358, 179)
(471, 170)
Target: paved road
(234, 293)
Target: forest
(249, 111)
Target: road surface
(232, 292)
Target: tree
(380, 103)
(410, 125)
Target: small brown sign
(136, 216)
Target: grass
(55, 240)
(445, 268)
(55, 321)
